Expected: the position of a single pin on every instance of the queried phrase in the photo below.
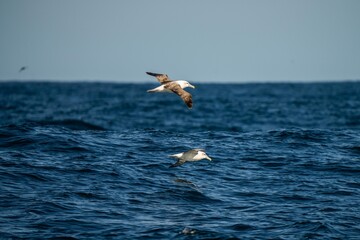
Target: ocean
(90, 161)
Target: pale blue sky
(197, 40)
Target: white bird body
(183, 84)
(160, 88)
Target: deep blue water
(90, 161)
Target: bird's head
(203, 155)
(184, 84)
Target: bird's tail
(178, 155)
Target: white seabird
(172, 86)
(190, 156)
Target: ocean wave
(73, 124)
(90, 161)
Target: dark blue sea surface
(90, 161)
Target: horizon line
(198, 82)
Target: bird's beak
(192, 86)
(208, 158)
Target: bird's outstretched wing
(185, 96)
(191, 153)
(178, 163)
(22, 68)
(199, 149)
(162, 78)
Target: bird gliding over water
(193, 155)
(172, 86)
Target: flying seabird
(189, 156)
(171, 86)
(22, 68)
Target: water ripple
(90, 161)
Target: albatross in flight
(193, 155)
(22, 68)
(176, 86)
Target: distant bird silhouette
(23, 68)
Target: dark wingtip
(151, 74)
(176, 164)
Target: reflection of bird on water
(22, 68)
(190, 156)
(187, 231)
(187, 183)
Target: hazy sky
(197, 40)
